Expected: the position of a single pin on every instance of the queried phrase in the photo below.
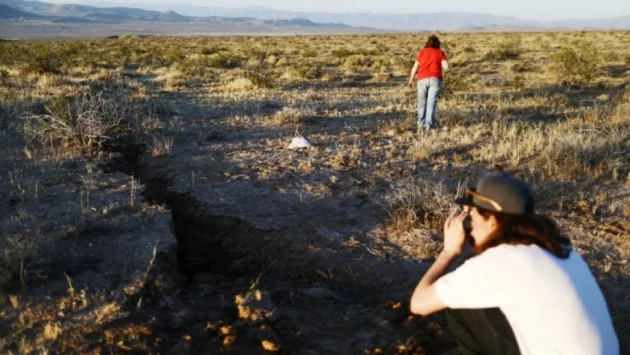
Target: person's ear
(492, 221)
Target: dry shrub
(18, 257)
(293, 115)
(47, 82)
(84, 123)
(347, 157)
(160, 146)
(419, 202)
(589, 150)
(518, 83)
(573, 149)
(381, 78)
(422, 149)
(152, 106)
(240, 84)
(396, 127)
(52, 331)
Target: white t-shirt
(553, 305)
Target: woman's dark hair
(433, 42)
(526, 230)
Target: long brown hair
(526, 230)
(433, 42)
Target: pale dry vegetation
(321, 231)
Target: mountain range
(446, 21)
(73, 13)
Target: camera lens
(467, 226)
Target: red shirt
(430, 60)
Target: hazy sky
(526, 9)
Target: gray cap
(500, 193)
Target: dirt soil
(216, 253)
(280, 249)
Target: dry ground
(149, 203)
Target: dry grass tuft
(52, 331)
(293, 115)
(160, 146)
(15, 302)
(419, 203)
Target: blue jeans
(428, 93)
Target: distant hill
(7, 12)
(72, 13)
(172, 16)
(301, 22)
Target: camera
(468, 229)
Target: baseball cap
(500, 193)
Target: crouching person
(525, 290)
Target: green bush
(342, 53)
(260, 79)
(310, 71)
(257, 53)
(42, 58)
(309, 53)
(223, 60)
(358, 60)
(517, 83)
(575, 65)
(170, 56)
(195, 67)
(506, 50)
(453, 83)
(212, 50)
(381, 48)
(59, 107)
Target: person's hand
(410, 84)
(454, 234)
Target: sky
(524, 9)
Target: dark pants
(482, 331)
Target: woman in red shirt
(430, 62)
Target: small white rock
(299, 142)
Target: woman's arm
(413, 74)
(424, 300)
(446, 65)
